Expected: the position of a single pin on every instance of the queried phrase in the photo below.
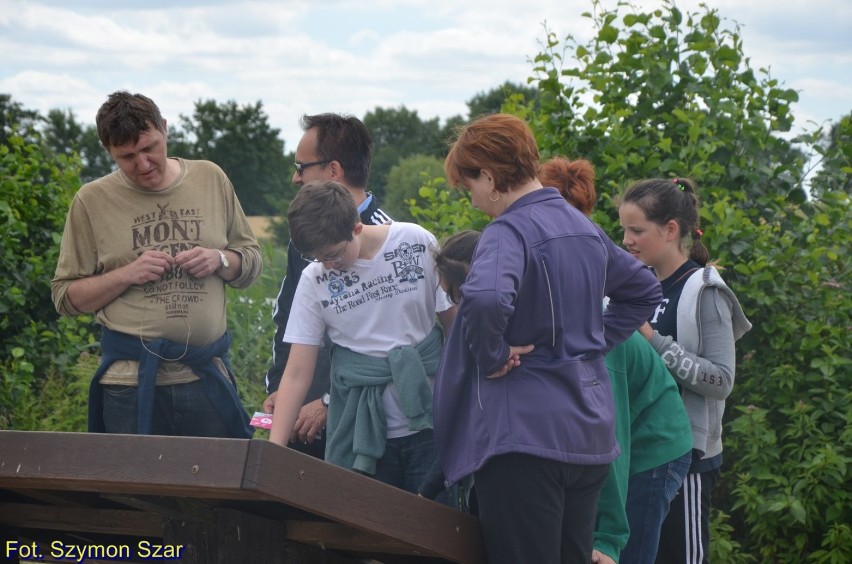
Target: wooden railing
(204, 500)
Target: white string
(185, 346)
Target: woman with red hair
(522, 398)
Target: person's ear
(672, 230)
(336, 171)
(358, 228)
(488, 176)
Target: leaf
(608, 34)
(798, 511)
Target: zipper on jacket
(552, 312)
(478, 384)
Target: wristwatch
(223, 258)
(326, 399)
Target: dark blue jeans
(649, 494)
(179, 410)
(407, 460)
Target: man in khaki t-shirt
(149, 249)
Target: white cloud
(354, 55)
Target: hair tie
(697, 234)
(679, 184)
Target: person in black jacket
(333, 147)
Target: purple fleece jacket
(538, 276)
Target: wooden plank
(428, 528)
(334, 536)
(181, 466)
(65, 499)
(256, 477)
(237, 536)
(83, 520)
(167, 507)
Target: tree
(835, 157)
(66, 136)
(16, 120)
(36, 187)
(240, 140)
(667, 94)
(404, 182)
(398, 133)
(491, 102)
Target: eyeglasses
(337, 259)
(300, 167)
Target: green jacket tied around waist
(357, 424)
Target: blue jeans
(179, 410)
(407, 460)
(649, 494)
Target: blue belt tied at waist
(221, 392)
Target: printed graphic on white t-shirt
(376, 305)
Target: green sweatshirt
(651, 426)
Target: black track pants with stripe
(685, 535)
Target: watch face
(224, 257)
(326, 399)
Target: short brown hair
(345, 139)
(575, 180)
(501, 143)
(321, 214)
(125, 116)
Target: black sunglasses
(300, 167)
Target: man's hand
(199, 262)
(514, 360)
(312, 419)
(148, 267)
(601, 558)
(91, 293)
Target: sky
(351, 56)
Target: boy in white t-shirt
(375, 290)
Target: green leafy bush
(789, 442)
(36, 187)
(445, 211)
(250, 323)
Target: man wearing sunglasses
(333, 148)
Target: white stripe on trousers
(692, 518)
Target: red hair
(502, 144)
(575, 180)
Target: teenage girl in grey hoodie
(694, 330)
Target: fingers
(269, 403)
(513, 361)
(311, 420)
(150, 266)
(305, 433)
(199, 262)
